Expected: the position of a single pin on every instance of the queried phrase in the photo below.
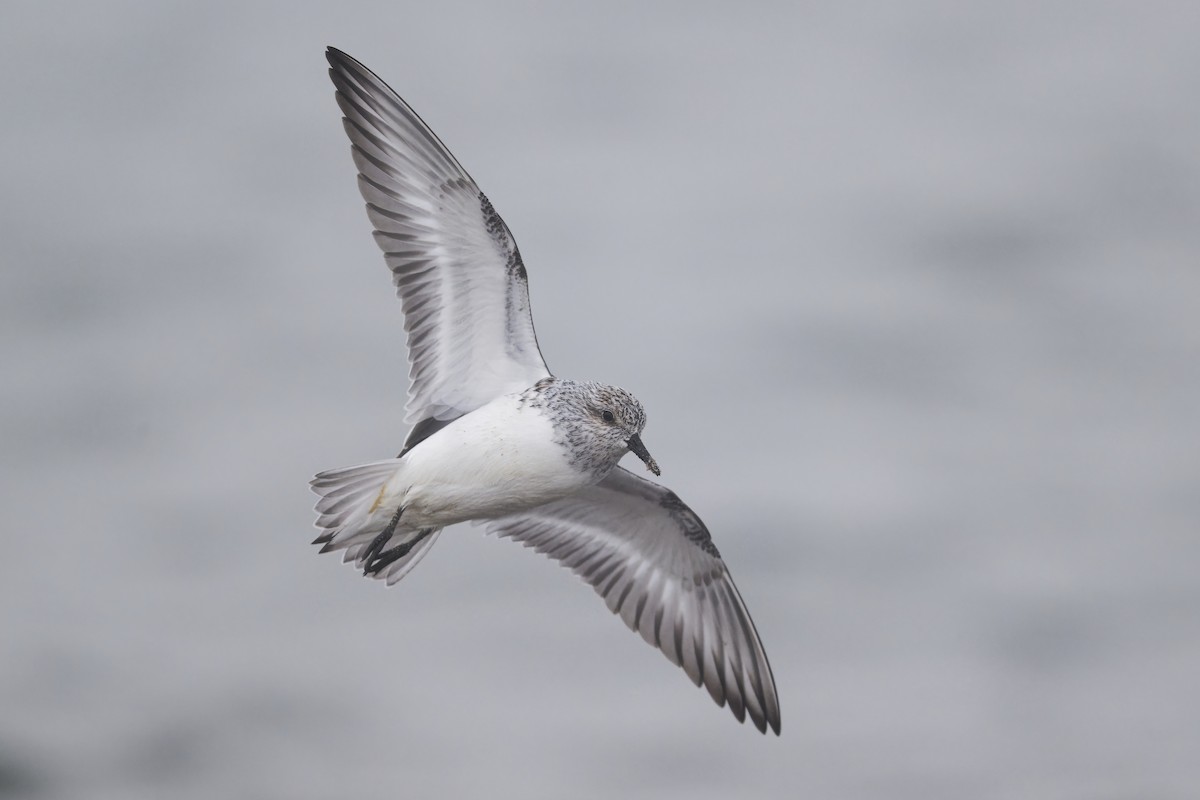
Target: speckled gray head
(596, 422)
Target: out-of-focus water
(912, 295)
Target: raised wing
(455, 264)
(652, 560)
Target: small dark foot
(377, 561)
(377, 544)
(379, 541)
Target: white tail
(350, 520)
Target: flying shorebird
(496, 439)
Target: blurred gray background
(911, 292)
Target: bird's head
(608, 421)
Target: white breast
(499, 459)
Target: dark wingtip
(340, 61)
(335, 56)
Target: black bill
(639, 450)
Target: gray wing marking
(456, 267)
(652, 560)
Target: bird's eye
(607, 416)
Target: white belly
(497, 460)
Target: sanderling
(498, 440)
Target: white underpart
(497, 460)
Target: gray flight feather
(454, 262)
(652, 560)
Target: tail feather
(346, 515)
(347, 495)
